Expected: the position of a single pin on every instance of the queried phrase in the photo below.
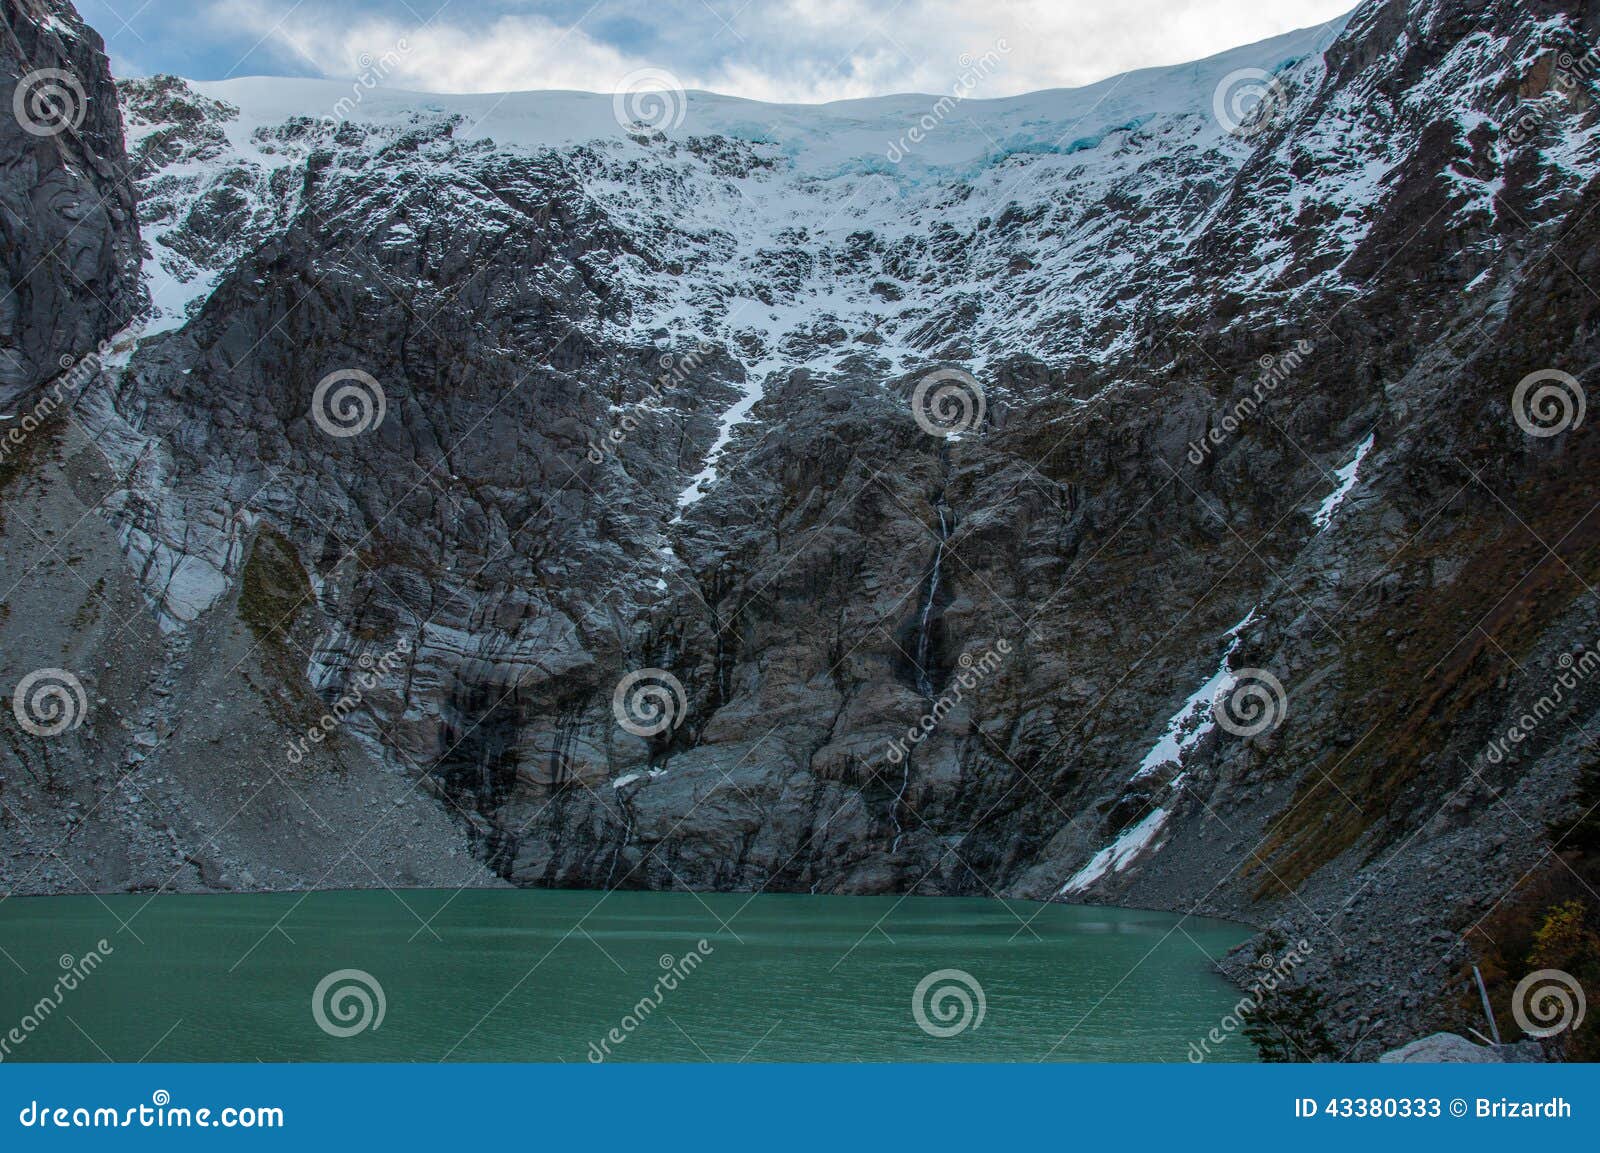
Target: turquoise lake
(559, 976)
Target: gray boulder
(1442, 1049)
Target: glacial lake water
(558, 976)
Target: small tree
(1567, 941)
(1289, 1025)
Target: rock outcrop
(69, 235)
(1452, 1049)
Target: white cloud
(787, 50)
(511, 53)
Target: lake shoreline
(252, 892)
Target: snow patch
(1189, 725)
(1116, 856)
(707, 476)
(1347, 477)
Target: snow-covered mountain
(661, 387)
(754, 206)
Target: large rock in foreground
(1453, 1049)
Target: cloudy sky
(791, 50)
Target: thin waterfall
(924, 643)
(924, 683)
(627, 835)
(899, 798)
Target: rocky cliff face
(768, 499)
(68, 234)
